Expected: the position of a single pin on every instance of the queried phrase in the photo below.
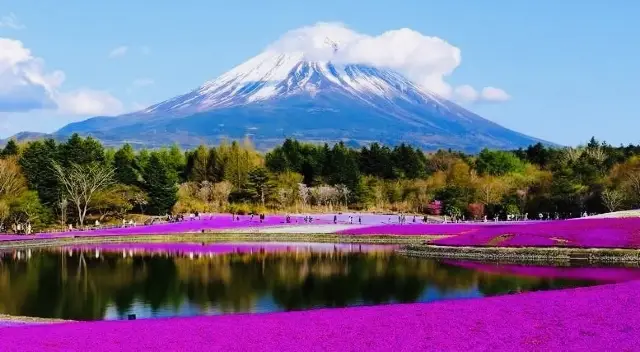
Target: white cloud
(426, 60)
(118, 52)
(88, 102)
(11, 21)
(466, 93)
(26, 86)
(494, 94)
(143, 82)
(145, 50)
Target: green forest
(47, 184)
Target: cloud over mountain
(426, 60)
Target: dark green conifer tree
(160, 184)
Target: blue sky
(571, 69)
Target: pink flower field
(217, 222)
(596, 318)
(600, 233)
(605, 275)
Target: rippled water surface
(159, 280)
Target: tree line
(45, 183)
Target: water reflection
(110, 282)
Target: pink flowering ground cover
(601, 233)
(600, 274)
(596, 318)
(218, 222)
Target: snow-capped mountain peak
(304, 88)
(275, 75)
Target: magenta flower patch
(602, 318)
(600, 233)
(605, 275)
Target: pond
(112, 281)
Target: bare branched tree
(81, 182)
(220, 193)
(325, 195)
(205, 191)
(343, 193)
(612, 199)
(284, 196)
(571, 154)
(63, 204)
(303, 194)
(598, 154)
(633, 182)
(11, 180)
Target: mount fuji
(278, 95)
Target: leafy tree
(538, 154)
(11, 149)
(453, 197)
(490, 192)
(627, 176)
(342, 167)
(287, 188)
(160, 184)
(204, 165)
(117, 200)
(215, 170)
(197, 165)
(124, 161)
(453, 211)
(568, 193)
(293, 156)
(26, 208)
(142, 159)
(498, 163)
(79, 151)
(260, 184)
(376, 160)
(408, 162)
(442, 160)
(237, 161)
(175, 161)
(36, 162)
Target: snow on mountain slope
(286, 94)
(272, 75)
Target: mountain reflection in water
(112, 281)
